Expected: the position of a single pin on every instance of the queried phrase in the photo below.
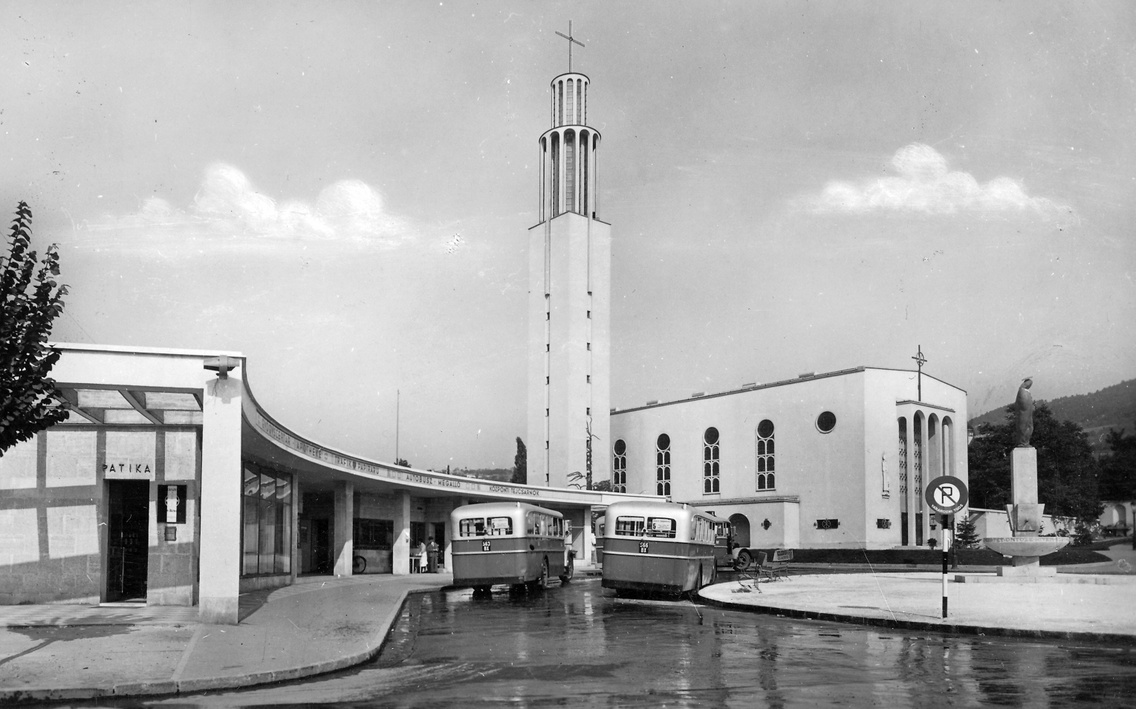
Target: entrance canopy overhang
(321, 467)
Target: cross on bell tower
(571, 41)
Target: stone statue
(1023, 414)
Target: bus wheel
(569, 571)
(358, 565)
(744, 560)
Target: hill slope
(1096, 413)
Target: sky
(341, 191)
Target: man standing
(432, 556)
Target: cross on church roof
(919, 357)
(571, 41)
(920, 360)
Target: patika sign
(128, 471)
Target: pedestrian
(421, 557)
(432, 556)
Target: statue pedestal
(1026, 567)
(1023, 475)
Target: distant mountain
(499, 474)
(1096, 413)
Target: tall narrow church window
(917, 462)
(663, 465)
(766, 468)
(902, 464)
(585, 159)
(570, 171)
(619, 467)
(555, 174)
(569, 118)
(579, 100)
(710, 465)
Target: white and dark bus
(509, 543)
(658, 547)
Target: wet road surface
(581, 646)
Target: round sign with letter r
(947, 494)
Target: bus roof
(501, 508)
(637, 507)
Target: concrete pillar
(928, 474)
(297, 503)
(220, 550)
(343, 528)
(400, 555)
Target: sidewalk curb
(977, 630)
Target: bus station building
(169, 484)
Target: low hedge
(966, 557)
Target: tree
(403, 462)
(1067, 472)
(602, 486)
(1118, 468)
(31, 300)
(520, 464)
(966, 534)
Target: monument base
(1024, 568)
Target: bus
(723, 544)
(511, 543)
(658, 547)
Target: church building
(830, 460)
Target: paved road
(582, 646)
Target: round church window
(765, 428)
(826, 422)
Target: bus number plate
(643, 546)
(485, 545)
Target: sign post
(946, 495)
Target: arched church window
(663, 465)
(710, 462)
(766, 462)
(619, 467)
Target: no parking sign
(947, 494)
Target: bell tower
(569, 350)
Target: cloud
(228, 205)
(925, 184)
